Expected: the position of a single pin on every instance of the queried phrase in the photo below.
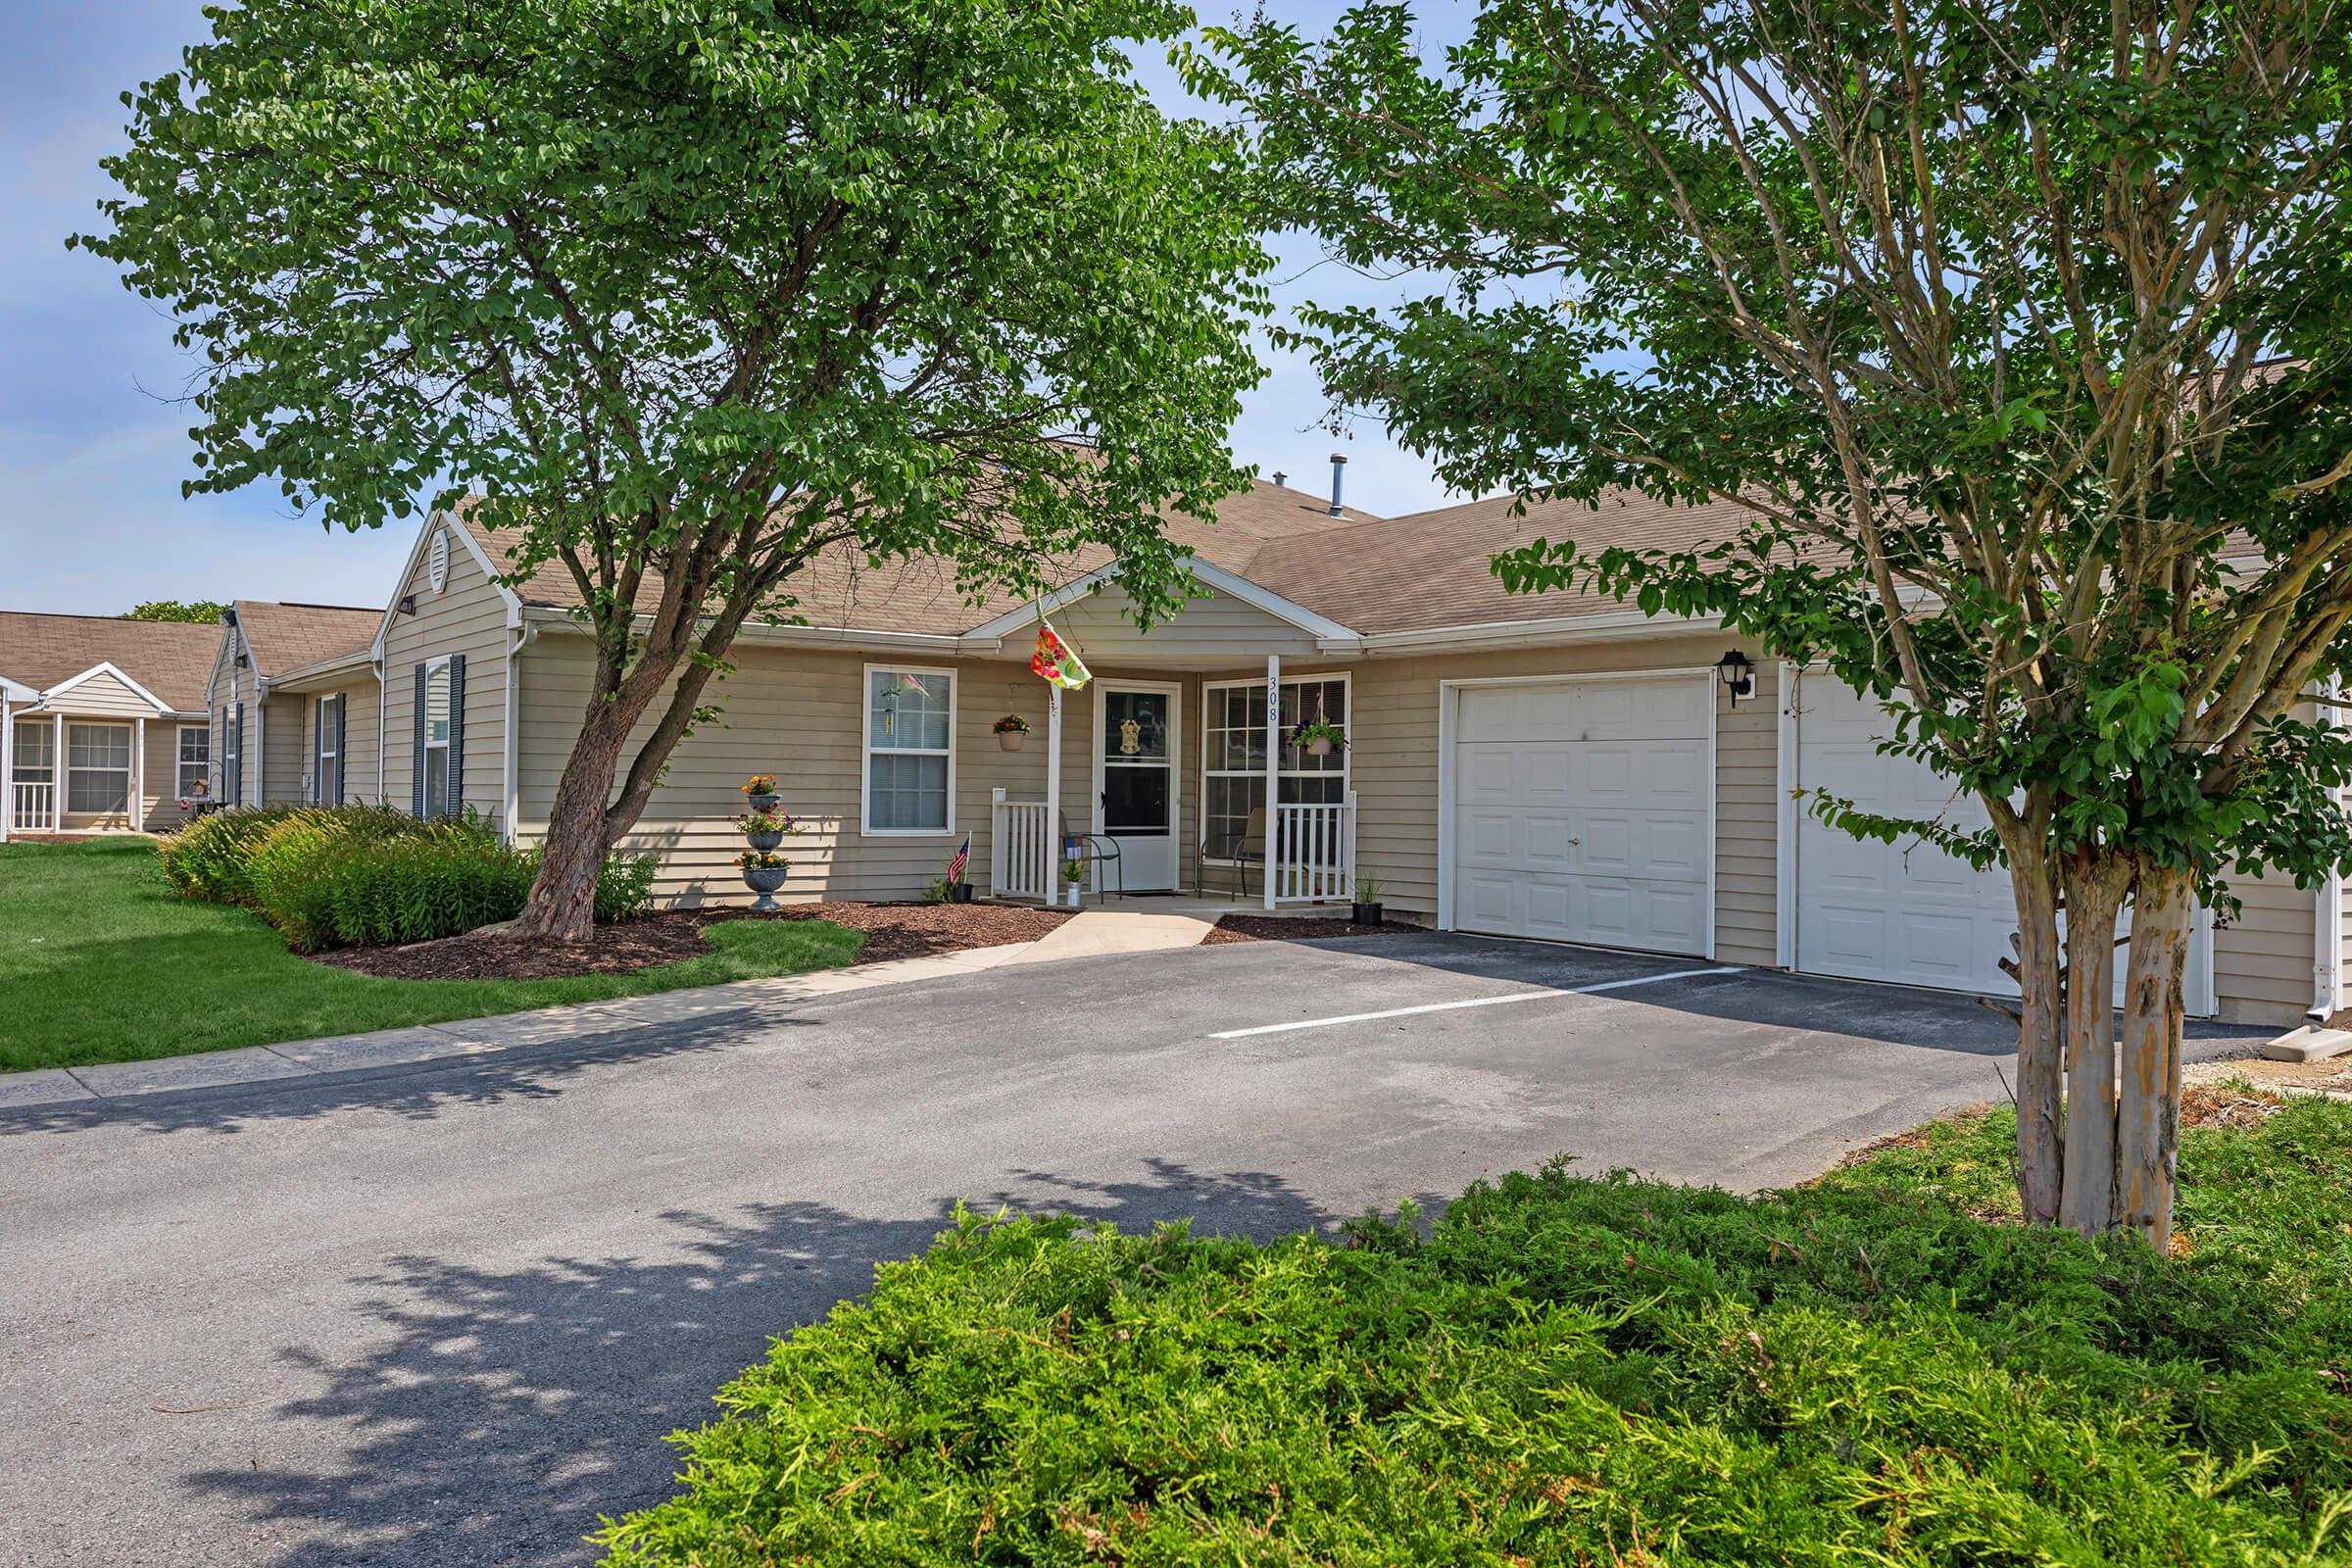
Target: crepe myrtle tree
(2015, 333)
(678, 296)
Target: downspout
(2328, 924)
(525, 635)
(261, 741)
(376, 661)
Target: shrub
(1574, 1371)
(209, 857)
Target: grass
(1581, 1371)
(101, 962)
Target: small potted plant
(760, 790)
(764, 830)
(1365, 910)
(1071, 873)
(764, 872)
(1011, 730)
(1319, 737)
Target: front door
(1135, 770)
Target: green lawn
(100, 961)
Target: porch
(71, 770)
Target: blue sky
(92, 450)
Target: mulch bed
(1296, 928)
(893, 931)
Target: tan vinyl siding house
(91, 709)
(273, 663)
(1556, 767)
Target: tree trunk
(562, 906)
(2040, 1047)
(2095, 885)
(2148, 1117)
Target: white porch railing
(1020, 848)
(1314, 859)
(35, 807)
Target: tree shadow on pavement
(505, 1410)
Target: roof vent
(1339, 471)
(1281, 479)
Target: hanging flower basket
(1013, 730)
(1320, 737)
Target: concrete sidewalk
(1091, 934)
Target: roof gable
(170, 661)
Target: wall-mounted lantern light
(1738, 676)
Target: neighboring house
(102, 722)
(293, 699)
(1555, 766)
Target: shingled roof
(171, 658)
(283, 637)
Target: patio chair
(1244, 848)
(1093, 849)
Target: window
(436, 738)
(1234, 753)
(910, 750)
(327, 774)
(35, 750)
(195, 761)
(232, 753)
(98, 768)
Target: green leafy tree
(2017, 333)
(196, 612)
(684, 295)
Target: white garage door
(1581, 811)
(1902, 911)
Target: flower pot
(763, 841)
(1073, 897)
(765, 878)
(959, 893)
(1364, 914)
(765, 803)
(1320, 746)
(1011, 739)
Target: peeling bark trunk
(2095, 885)
(2149, 1117)
(2041, 1040)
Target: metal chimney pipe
(1280, 479)
(1339, 471)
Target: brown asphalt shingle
(284, 637)
(171, 658)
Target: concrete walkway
(1093, 933)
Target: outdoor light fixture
(407, 603)
(1738, 676)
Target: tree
(2017, 333)
(684, 295)
(195, 611)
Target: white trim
(1449, 701)
(1232, 584)
(1785, 818)
(8, 761)
(1346, 773)
(452, 790)
(523, 636)
(179, 761)
(1613, 624)
(318, 752)
(261, 742)
(13, 692)
(106, 668)
(342, 663)
(1173, 691)
(866, 748)
(135, 728)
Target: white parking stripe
(1474, 1002)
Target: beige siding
(286, 762)
(2263, 960)
(103, 696)
(1101, 629)
(468, 617)
(358, 694)
(1396, 759)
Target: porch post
(1273, 776)
(1053, 833)
(8, 770)
(57, 776)
(139, 774)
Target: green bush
(362, 875)
(1576, 1371)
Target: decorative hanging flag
(963, 858)
(1056, 660)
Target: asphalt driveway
(445, 1315)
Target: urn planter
(765, 803)
(765, 880)
(763, 841)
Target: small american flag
(963, 858)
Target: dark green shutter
(457, 735)
(342, 703)
(416, 752)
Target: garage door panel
(1582, 812)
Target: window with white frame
(232, 753)
(327, 780)
(98, 768)
(1234, 754)
(436, 738)
(195, 761)
(35, 750)
(909, 750)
